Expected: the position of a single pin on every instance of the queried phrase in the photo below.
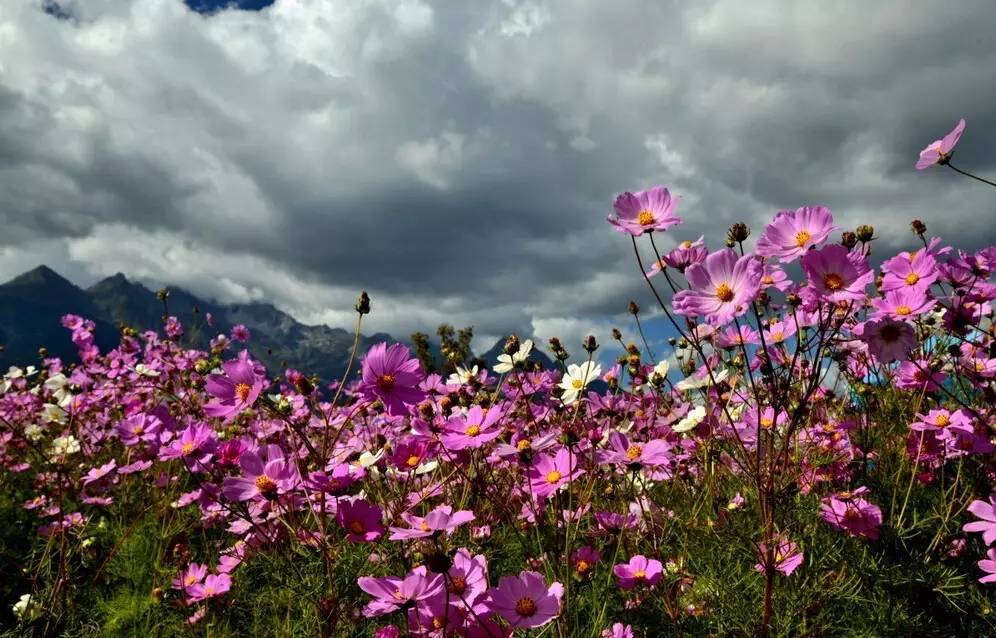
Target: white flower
(33, 432)
(64, 446)
(694, 382)
(462, 376)
(15, 373)
(507, 362)
(53, 413)
(58, 386)
(26, 608)
(692, 419)
(577, 379)
(662, 368)
(146, 371)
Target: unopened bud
(162, 294)
(918, 227)
(363, 305)
(590, 345)
(793, 300)
(738, 232)
(633, 308)
(616, 334)
(865, 233)
(849, 240)
(511, 345)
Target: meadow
(812, 456)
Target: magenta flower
(467, 579)
(988, 565)
(235, 392)
(939, 151)
(391, 375)
(618, 630)
(910, 271)
(192, 575)
(792, 233)
(635, 454)
(849, 512)
(681, 257)
(644, 211)
(902, 304)
(722, 287)
(473, 430)
(584, 558)
(640, 570)
(360, 519)
(525, 601)
(442, 519)
(138, 428)
(391, 594)
(549, 473)
(887, 338)
(277, 476)
(194, 445)
(987, 525)
(836, 274)
(240, 333)
(940, 419)
(214, 585)
(787, 557)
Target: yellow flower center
(802, 237)
(767, 423)
(357, 527)
(634, 452)
(523, 445)
(646, 218)
(912, 278)
(187, 448)
(190, 579)
(724, 293)
(903, 310)
(778, 337)
(942, 421)
(424, 526)
(582, 566)
(473, 430)
(385, 381)
(640, 575)
(685, 245)
(413, 461)
(577, 384)
(242, 391)
(525, 606)
(767, 280)
(137, 430)
(553, 476)
(265, 484)
(457, 584)
(833, 281)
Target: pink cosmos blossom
(138, 428)
(584, 558)
(391, 594)
(442, 519)
(277, 476)
(851, 513)
(681, 257)
(192, 575)
(475, 429)
(644, 211)
(636, 454)
(887, 338)
(640, 570)
(787, 557)
(988, 565)
(240, 333)
(467, 578)
(393, 377)
(834, 274)
(902, 304)
(618, 630)
(722, 287)
(526, 601)
(940, 419)
(986, 511)
(214, 585)
(916, 271)
(361, 520)
(99, 474)
(234, 391)
(735, 336)
(792, 233)
(549, 473)
(194, 445)
(939, 151)
(775, 277)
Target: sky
(457, 159)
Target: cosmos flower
(644, 211)
(506, 363)
(234, 391)
(640, 570)
(192, 575)
(986, 512)
(478, 427)
(441, 519)
(214, 585)
(902, 304)
(691, 420)
(361, 520)
(834, 274)
(787, 557)
(939, 151)
(195, 445)
(792, 233)
(277, 476)
(618, 630)
(681, 257)
(887, 338)
(548, 473)
(722, 287)
(851, 513)
(391, 594)
(577, 379)
(988, 565)
(526, 601)
(916, 271)
(392, 376)
(462, 376)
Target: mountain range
(32, 304)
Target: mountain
(32, 304)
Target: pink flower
(584, 558)
(910, 271)
(618, 630)
(644, 211)
(549, 473)
(939, 151)
(792, 233)
(472, 431)
(441, 519)
(192, 575)
(849, 512)
(902, 304)
(636, 454)
(240, 333)
(236, 391)
(988, 565)
(722, 287)
(787, 557)
(640, 570)
(525, 600)
(391, 375)
(277, 476)
(361, 520)
(194, 445)
(391, 594)
(986, 512)
(681, 257)
(214, 585)
(940, 419)
(836, 274)
(887, 338)
(467, 579)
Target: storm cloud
(457, 159)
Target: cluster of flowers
(423, 469)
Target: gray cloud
(458, 159)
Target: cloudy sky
(457, 158)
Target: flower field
(813, 456)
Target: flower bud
(865, 233)
(738, 232)
(511, 345)
(363, 305)
(919, 228)
(633, 308)
(793, 300)
(162, 294)
(849, 240)
(590, 345)
(616, 334)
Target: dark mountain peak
(116, 283)
(42, 276)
